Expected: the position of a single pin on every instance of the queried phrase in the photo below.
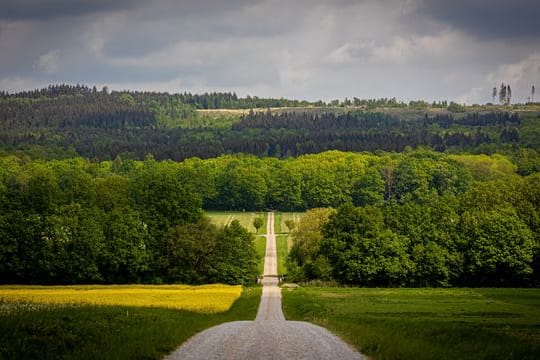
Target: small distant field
(204, 298)
(281, 217)
(76, 330)
(489, 323)
(222, 218)
(283, 237)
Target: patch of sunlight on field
(222, 218)
(203, 299)
(295, 216)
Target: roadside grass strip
(260, 247)
(282, 247)
(202, 299)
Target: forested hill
(65, 121)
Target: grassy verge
(282, 247)
(425, 323)
(260, 246)
(30, 331)
(277, 223)
(283, 237)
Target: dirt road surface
(270, 336)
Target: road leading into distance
(270, 336)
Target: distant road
(270, 336)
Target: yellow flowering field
(204, 298)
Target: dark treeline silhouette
(213, 100)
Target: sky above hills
(305, 49)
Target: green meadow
(222, 218)
(482, 323)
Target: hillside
(65, 121)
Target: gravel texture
(270, 336)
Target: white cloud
(48, 63)
(473, 96)
(399, 51)
(341, 55)
(100, 30)
(520, 75)
(184, 53)
(525, 70)
(175, 85)
(18, 83)
(349, 53)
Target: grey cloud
(487, 19)
(50, 9)
(310, 49)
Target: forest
(70, 121)
(100, 186)
(415, 218)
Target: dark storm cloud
(50, 9)
(487, 19)
(309, 49)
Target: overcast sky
(304, 49)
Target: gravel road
(270, 336)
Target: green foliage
(201, 253)
(368, 189)
(64, 121)
(361, 251)
(305, 261)
(243, 184)
(171, 113)
(423, 218)
(73, 221)
(188, 252)
(439, 228)
(291, 224)
(236, 257)
(499, 247)
(257, 223)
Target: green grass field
(283, 237)
(260, 246)
(425, 323)
(222, 218)
(281, 217)
(282, 247)
(30, 331)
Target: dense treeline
(64, 121)
(417, 218)
(482, 230)
(78, 222)
(214, 100)
(369, 120)
(218, 100)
